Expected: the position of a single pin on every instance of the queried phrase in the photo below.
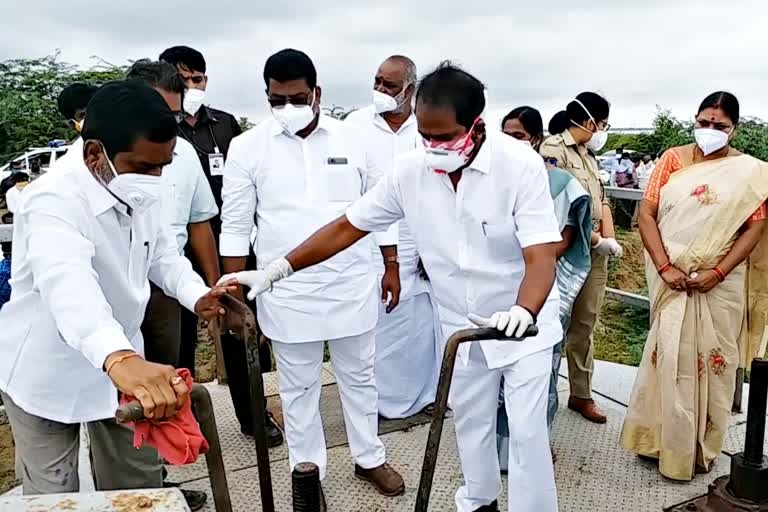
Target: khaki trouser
(47, 455)
(579, 341)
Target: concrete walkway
(593, 473)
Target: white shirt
(384, 145)
(80, 289)
(189, 198)
(644, 172)
(73, 156)
(295, 186)
(471, 239)
(12, 198)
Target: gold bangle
(121, 359)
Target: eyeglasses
(295, 100)
(606, 127)
(550, 160)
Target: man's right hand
(257, 280)
(156, 386)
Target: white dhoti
(298, 372)
(406, 357)
(474, 400)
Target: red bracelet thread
(720, 274)
(665, 267)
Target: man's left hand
(208, 306)
(390, 286)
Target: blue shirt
(5, 284)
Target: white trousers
(474, 399)
(299, 366)
(406, 357)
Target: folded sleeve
(379, 208)
(534, 210)
(59, 256)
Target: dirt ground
(7, 476)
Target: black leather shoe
(493, 507)
(274, 434)
(195, 499)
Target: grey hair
(411, 77)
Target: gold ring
(176, 380)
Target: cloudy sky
(638, 53)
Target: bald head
(396, 77)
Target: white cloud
(639, 54)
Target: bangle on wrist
(719, 273)
(664, 267)
(120, 360)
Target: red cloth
(178, 439)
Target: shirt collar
(323, 124)
(482, 161)
(205, 115)
(568, 138)
(99, 198)
(379, 121)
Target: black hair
(529, 117)
(724, 101)
(626, 155)
(596, 106)
(75, 97)
(159, 74)
(184, 57)
(451, 86)
(290, 64)
(123, 111)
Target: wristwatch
(391, 259)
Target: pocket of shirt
(339, 183)
(501, 239)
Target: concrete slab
(612, 380)
(156, 500)
(270, 380)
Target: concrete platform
(592, 472)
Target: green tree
(28, 92)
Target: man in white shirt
(479, 208)
(86, 240)
(188, 205)
(406, 363)
(292, 174)
(644, 172)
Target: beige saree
(683, 393)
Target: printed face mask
(447, 157)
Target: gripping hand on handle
(260, 281)
(513, 322)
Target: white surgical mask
(294, 118)
(710, 140)
(383, 102)
(139, 191)
(599, 138)
(193, 100)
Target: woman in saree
(573, 212)
(702, 215)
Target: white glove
(608, 247)
(260, 281)
(515, 321)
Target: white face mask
(599, 137)
(193, 100)
(139, 191)
(383, 102)
(294, 118)
(710, 140)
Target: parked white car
(47, 156)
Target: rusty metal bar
(441, 404)
(203, 409)
(241, 323)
